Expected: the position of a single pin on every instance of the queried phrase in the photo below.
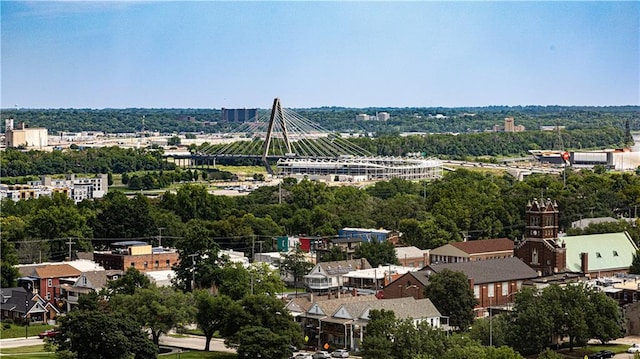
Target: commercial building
(472, 251)
(78, 189)
(136, 254)
(24, 136)
(239, 114)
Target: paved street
(20, 342)
(194, 342)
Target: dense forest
(451, 120)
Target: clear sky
(209, 54)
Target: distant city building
(77, 189)
(510, 126)
(383, 116)
(239, 114)
(25, 136)
(362, 117)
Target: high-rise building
(509, 125)
(238, 114)
(383, 116)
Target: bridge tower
(277, 117)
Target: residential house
(411, 284)
(477, 250)
(45, 279)
(330, 276)
(494, 281)
(17, 303)
(341, 323)
(88, 282)
(137, 254)
(371, 280)
(412, 256)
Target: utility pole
(193, 270)
(70, 243)
(160, 236)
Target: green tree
(214, 314)
(131, 281)
(531, 324)
(635, 265)
(450, 293)
(100, 335)
(158, 309)
(550, 354)
(604, 317)
(261, 342)
(490, 331)
(377, 253)
(295, 264)
(9, 273)
(334, 253)
(380, 331)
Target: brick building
(139, 255)
(472, 251)
(541, 248)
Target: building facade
(138, 255)
(28, 137)
(541, 248)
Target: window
(48, 296)
(156, 264)
(505, 289)
(476, 291)
(49, 282)
(145, 265)
(598, 255)
(133, 264)
(168, 264)
(615, 253)
(534, 256)
(491, 290)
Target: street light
(26, 320)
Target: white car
(634, 348)
(301, 356)
(340, 353)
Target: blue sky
(208, 54)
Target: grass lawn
(200, 355)
(28, 352)
(17, 331)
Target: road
(194, 342)
(20, 342)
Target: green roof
(606, 251)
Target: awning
(612, 290)
(335, 320)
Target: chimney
(425, 260)
(362, 263)
(584, 262)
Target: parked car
(634, 348)
(302, 356)
(603, 354)
(49, 333)
(340, 353)
(321, 354)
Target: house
(597, 255)
(137, 254)
(494, 281)
(329, 276)
(17, 303)
(370, 280)
(341, 323)
(410, 284)
(472, 251)
(92, 281)
(412, 256)
(45, 279)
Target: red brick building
(139, 255)
(540, 248)
(45, 280)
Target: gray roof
(407, 307)
(489, 271)
(343, 267)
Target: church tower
(541, 248)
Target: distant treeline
(410, 119)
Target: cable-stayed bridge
(300, 146)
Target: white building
(27, 137)
(383, 116)
(77, 189)
(362, 117)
